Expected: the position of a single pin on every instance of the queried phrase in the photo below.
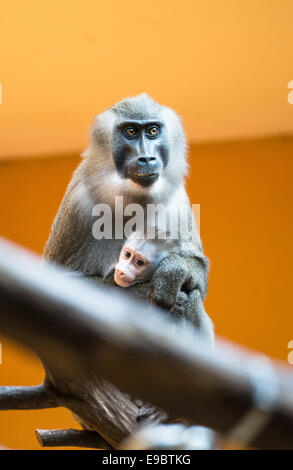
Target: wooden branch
(27, 398)
(83, 333)
(71, 438)
(96, 404)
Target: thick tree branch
(71, 438)
(27, 398)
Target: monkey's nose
(147, 162)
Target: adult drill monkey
(137, 150)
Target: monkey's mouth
(122, 280)
(144, 179)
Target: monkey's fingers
(180, 306)
(195, 278)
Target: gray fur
(182, 274)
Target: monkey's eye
(139, 262)
(127, 254)
(129, 132)
(153, 131)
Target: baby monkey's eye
(153, 131)
(127, 254)
(139, 262)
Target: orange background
(245, 194)
(224, 66)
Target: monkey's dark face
(140, 150)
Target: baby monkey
(139, 258)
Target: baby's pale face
(132, 267)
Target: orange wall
(245, 192)
(223, 65)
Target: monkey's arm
(183, 277)
(67, 234)
(178, 273)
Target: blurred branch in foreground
(87, 336)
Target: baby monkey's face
(132, 267)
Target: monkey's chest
(103, 254)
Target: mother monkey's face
(140, 150)
(138, 145)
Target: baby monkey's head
(139, 258)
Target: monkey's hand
(177, 275)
